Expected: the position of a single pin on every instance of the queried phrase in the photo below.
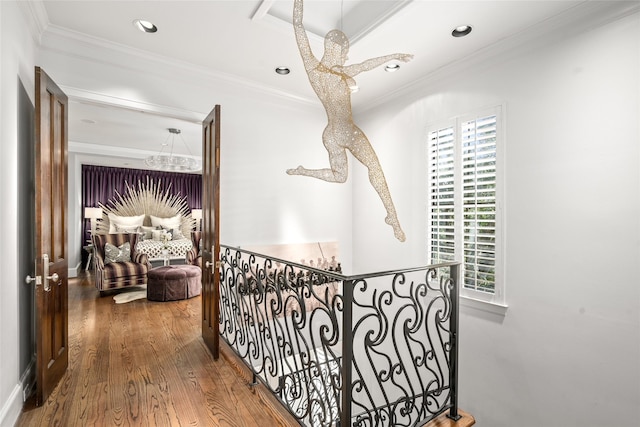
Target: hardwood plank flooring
(144, 363)
(466, 420)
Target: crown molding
(581, 18)
(381, 19)
(83, 153)
(105, 155)
(94, 98)
(93, 49)
(36, 17)
(108, 150)
(262, 14)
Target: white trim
(104, 150)
(490, 307)
(36, 17)
(583, 17)
(94, 98)
(262, 14)
(498, 297)
(12, 408)
(262, 9)
(73, 271)
(73, 44)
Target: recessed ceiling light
(461, 31)
(282, 70)
(145, 26)
(392, 67)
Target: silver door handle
(54, 277)
(45, 268)
(208, 264)
(30, 280)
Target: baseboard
(11, 409)
(73, 272)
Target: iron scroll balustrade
(390, 337)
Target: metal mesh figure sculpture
(332, 81)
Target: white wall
(260, 203)
(570, 336)
(18, 52)
(567, 352)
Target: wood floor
(144, 364)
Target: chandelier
(172, 162)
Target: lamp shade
(92, 213)
(196, 214)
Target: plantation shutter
(462, 199)
(442, 195)
(478, 142)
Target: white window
(464, 201)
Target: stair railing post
(347, 352)
(454, 274)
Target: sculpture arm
(302, 39)
(370, 64)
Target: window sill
(490, 307)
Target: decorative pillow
(124, 222)
(157, 234)
(176, 234)
(146, 232)
(121, 229)
(168, 223)
(113, 253)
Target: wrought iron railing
(367, 350)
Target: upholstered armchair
(114, 267)
(194, 257)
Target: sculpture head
(336, 45)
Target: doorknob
(208, 264)
(30, 280)
(54, 277)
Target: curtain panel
(100, 184)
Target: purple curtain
(100, 184)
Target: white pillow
(173, 222)
(157, 235)
(145, 232)
(124, 222)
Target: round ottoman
(173, 282)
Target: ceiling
(252, 38)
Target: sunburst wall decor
(147, 198)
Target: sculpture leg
(336, 173)
(367, 156)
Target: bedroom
(571, 208)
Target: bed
(162, 220)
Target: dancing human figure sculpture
(332, 81)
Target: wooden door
(51, 277)
(211, 231)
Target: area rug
(139, 292)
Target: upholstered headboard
(147, 199)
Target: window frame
(474, 298)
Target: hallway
(144, 363)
